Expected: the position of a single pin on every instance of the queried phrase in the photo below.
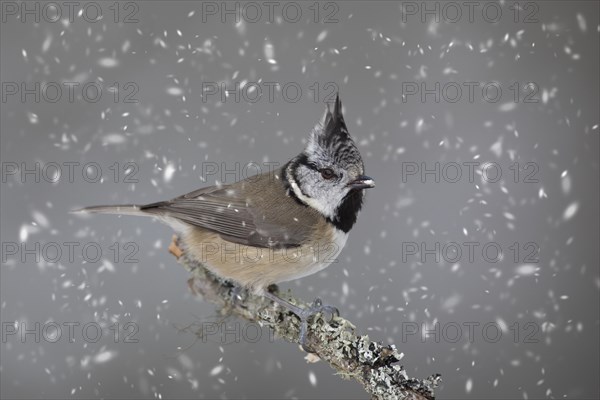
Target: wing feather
(228, 211)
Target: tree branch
(369, 363)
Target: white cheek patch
(322, 208)
(326, 207)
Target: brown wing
(254, 212)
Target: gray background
(368, 53)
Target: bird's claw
(316, 308)
(304, 314)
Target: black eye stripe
(312, 166)
(303, 160)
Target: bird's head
(329, 174)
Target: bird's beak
(362, 182)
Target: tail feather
(147, 210)
(125, 209)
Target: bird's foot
(174, 247)
(317, 307)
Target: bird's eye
(327, 173)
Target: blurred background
(135, 102)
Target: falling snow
(312, 378)
(540, 212)
(570, 211)
(108, 62)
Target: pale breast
(256, 268)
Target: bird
(277, 226)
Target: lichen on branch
(370, 363)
